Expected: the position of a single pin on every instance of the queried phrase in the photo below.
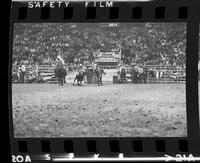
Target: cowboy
(19, 72)
(23, 71)
(94, 66)
(133, 73)
(151, 75)
(36, 69)
(81, 69)
(140, 73)
(101, 72)
(79, 76)
(199, 69)
(145, 73)
(123, 73)
(60, 59)
(136, 73)
(122, 67)
(64, 74)
(84, 68)
(118, 76)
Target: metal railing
(178, 73)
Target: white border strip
(112, 159)
(167, 158)
(81, 0)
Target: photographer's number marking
(20, 158)
(182, 157)
(47, 157)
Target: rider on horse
(80, 75)
(60, 71)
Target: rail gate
(46, 72)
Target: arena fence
(166, 74)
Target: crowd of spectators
(152, 43)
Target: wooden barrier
(46, 72)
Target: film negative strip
(104, 81)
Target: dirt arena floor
(111, 110)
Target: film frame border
(104, 146)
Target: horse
(155, 75)
(122, 74)
(60, 73)
(98, 74)
(142, 75)
(79, 77)
(151, 75)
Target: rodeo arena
(99, 80)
